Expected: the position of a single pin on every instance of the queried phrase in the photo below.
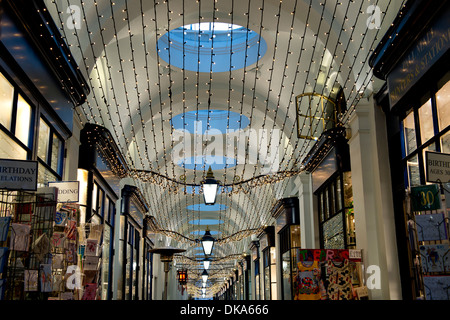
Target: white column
(372, 196)
(308, 232)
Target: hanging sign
(425, 197)
(68, 191)
(18, 174)
(437, 166)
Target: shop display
(339, 280)
(328, 274)
(45, 252)
(429, 241)
(310, 284)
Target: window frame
(10, 132)
(421, 146)
(47, 164)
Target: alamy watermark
(74, 19)
(374, 19)
(226, 149)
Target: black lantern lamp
(210, 186)
(204, 276)
(206, 263)
(207, 242)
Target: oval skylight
(204, 207)
(203, 163)
(211, 46)
(206, 222)
(199, 121)
(202, 232)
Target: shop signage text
(68, 191)
(421, 56)
(438, 166)
(18, 174)
(328, 254)
(425, 197)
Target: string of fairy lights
(134, 93)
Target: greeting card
(436, 287)
(31, 280)
(3, 258)
(58, 239)
(20, 237)
(4, 227)
(431, 227)
(90, 263)
(89, 291)
(46, 277)
(435, 257)
(91, 247)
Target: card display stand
(427, 209)
(27, 227)
(45, 252)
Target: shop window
(15, 122)
(409, 133)
(413, 171)
(9, 149)
(337, 222)
(270, 274)
(23, 122)
(445, 143)
(6, 102)
(45, 176)
(289, 242)
(426, 128)
(443, 103)
(426, 122)
(50, 149)
(106, 257)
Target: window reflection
(6, 102)
(442, 103)
(409, 133)
(426, 122)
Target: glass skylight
(211, 47)
(204, 207)
(206, 222)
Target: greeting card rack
(26, 227)
(427, 209)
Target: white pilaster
(372, 196)
(308, 232)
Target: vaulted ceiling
(150, 80)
